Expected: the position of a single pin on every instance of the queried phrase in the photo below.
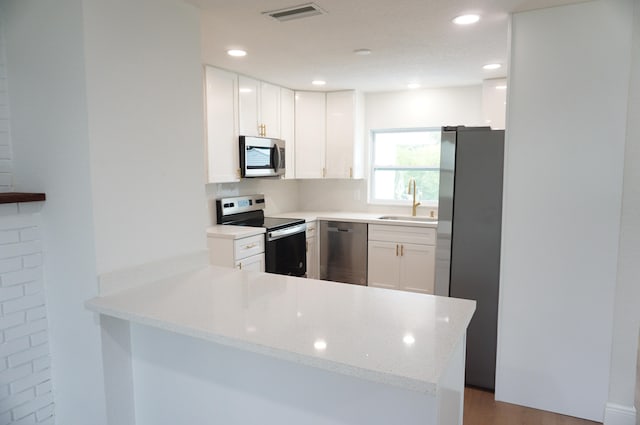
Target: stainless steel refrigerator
(468, 240)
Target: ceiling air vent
(295, 12)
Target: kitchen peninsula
(219, 345)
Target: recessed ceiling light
(413, 85)
(501, 87)
(362, 52)
(466, 19)
(492, 66)
(318, 82)
(237, 53)
(245, 90)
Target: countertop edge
(355, 217)
(233, 232)
(323, 364)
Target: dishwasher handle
(338, 229)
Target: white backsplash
(280, 195)
(306, 195)
(346, 195)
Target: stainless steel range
(285, 240)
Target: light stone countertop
(358, 217)
(394, 337)
(225, 231)
(237, 232)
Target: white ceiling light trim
(466, 19)
(318, 82)
(413, 85)
(237, 53)
(491, 66)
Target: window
(399, 155)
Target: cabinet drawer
(402, 234)
(246, 247)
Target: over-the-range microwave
(261, 156)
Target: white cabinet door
(269, 112)
(340, 134)
(249, 95)
(383, 268)
(310, 112)
(287, 130)
(221, 93)
(417, 268)
(254, 263)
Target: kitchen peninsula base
(234, 347)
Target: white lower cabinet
(244, 253)
(255, 263)
(313, 265)
(401, 257)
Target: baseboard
(119, 280)
(616, 414)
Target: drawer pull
(253, 245)
(240, 266)
(402, 250)
(396, 250)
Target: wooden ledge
(13, 197)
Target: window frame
(372, 167)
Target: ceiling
(410, 40)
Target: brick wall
(25, 375)
(6, 178)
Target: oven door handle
(287, 231)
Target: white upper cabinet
(287, 130)
(322, 131)
(259, 108)
(310, 128)
(248, 93)
(345, 145)
(221, 93)
(329, 139)
(270, 110)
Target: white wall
(424, 108)
(626, 321)
(6, 177)
(566, 120)
(144, 91)
(114, 137)
(44, 43)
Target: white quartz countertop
(233, 232)
(398, 338)
(361, 217)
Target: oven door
(285, 251)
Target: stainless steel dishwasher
(343, 252)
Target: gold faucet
(415, 204)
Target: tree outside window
(399, 155)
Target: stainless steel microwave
(261, 157)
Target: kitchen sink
(409, 218)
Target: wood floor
(480, 408)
